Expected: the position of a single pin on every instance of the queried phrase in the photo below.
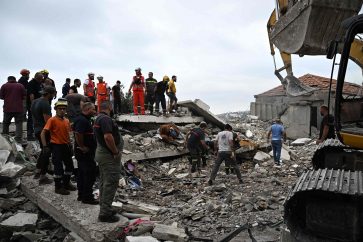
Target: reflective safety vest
(140, 86)
(101, 91)
(90, 88)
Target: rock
(284, 154)
(10, 169)
(20, 221)
(171, 171)
(4, 155)
(261, 157)
(181, 175)
(165, 232)
(140, 239)
(300, 142)
(249, 134)
(4, 144)
(3, 192)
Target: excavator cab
(306, 27)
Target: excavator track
(335, 155)
(326, 205)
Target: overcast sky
(218, 49)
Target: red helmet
(24, 72)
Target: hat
(61, 102)
(203, 124)
(48, 89)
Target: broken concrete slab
(165, 232)
(11, 170)
(300, 141)
(153, 154)
(20, 221)
(127, 118)
(77, 217)
(4, 156)
(284, 154)
(261, 157)
(140, 239)
(4, 144)
(249, 134)
(198, 107)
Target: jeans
(225, 156)
(160, 98)
(276, 149)
(8, 116)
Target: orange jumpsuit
(138, 95)
(101, 93)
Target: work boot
(70, 187)
(108, 219)
(44, 180)
(61, 191)
(91, 201)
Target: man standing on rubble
(224, 146)
(41, 111)
(108, 157)
(278, 133)
(103, 93)
(160, 90)
(66, 87)
(89, 87)
(58, 127)
(33, 92)
(196, 145)
(13, 94)
(138, 89)
(76, 84)
(326, 126)
(85, 147)
(172, 95)
(150, 93)
(24, 80)
(116, 94)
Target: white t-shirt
(224, 138)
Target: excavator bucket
(307, 26)
(296, 88)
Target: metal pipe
(277, 9)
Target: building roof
(319, 82)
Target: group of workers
(99, 141)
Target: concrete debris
(285, 156)
(11, 170)
(20, 221)
(4, 155)
(249, 134)
(300, 141)
(140, 239)
(261, 157)
(170, 233)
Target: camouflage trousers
(110, 169)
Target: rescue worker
(150, 93)
(25, 75)
(85, 147)
(117, 97)
(224, 146)
(66, 87)
(138, 88)
(196, 145)
(58, 127)
(159, 91)
(89, 87)
(48, 81)
(76, 84)
(42, 111)
(169, 132)
(13, 94)
(229, 167)
(172, 95)
(278, 133)
(102, 91)
(326, 125)
(108, 157)
(33, 92)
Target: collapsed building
(171, 204)
(300, 114)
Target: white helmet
(91, 74)
(100, 77)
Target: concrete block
(4, 155)
(20, 221)
(165, 232)
(127, 118)
(11, 169)
(153, 154)
(301, 141)
(198, 107)
(140, 239)
(284, 154)
(4, 144)
(261, 157)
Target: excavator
(326, 203)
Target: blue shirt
(277, 131)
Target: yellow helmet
(45, 71)
(61, 102)
(166, 78)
